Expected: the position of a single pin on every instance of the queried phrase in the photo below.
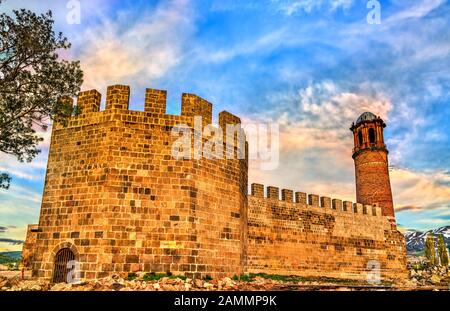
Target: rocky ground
(168, 284)
(421, 277)
(421, 274)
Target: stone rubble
(421, 277)
(421, 274)
(116, 283)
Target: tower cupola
(370, 155)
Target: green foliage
(9, 259)
(244, 277)
(419, 266)
(5, 179)
(35, 84)
(14, 254)
(290, 278)
(158, 276)
(430, 251)
(442, 250)
(420, 253)
(131, 276)
(154, 276)
(207, 278)
(13, 265)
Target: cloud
(231, 5)
(139, 49)
(28, 170)
(403, 208)
(24, 170)
(433, 222)
(15, 236)
(129, 47)
(11, 241)
(314, 132)
(319, 115)
(313, 75)
(416, 10)
(290, 7)
(265, 43)
(420, 191)
(19, 206)
(17, 192)
(314, 124)
(3, 229)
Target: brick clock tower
(370, 154)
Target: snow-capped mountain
(415, 240)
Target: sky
(312, 67)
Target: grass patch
(416, 253)
(419, 266)
(158, 276)
(276, 277)
(244, 277)
(296, 279)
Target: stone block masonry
(28, 246)
(320, 240)
(370, 155)
(115, 193)
(117, 200)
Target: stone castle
(115, 200)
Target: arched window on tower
(371, 135)
(360, 138)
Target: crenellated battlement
(117, 101)
(312, 200)
(128, 193)
(118, 199)
(312, 235)
(196, 115)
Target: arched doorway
(60, 270)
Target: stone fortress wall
(308, 235)
(118, 199)
(120, 202)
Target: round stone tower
(371, 164)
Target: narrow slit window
(371, 135)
